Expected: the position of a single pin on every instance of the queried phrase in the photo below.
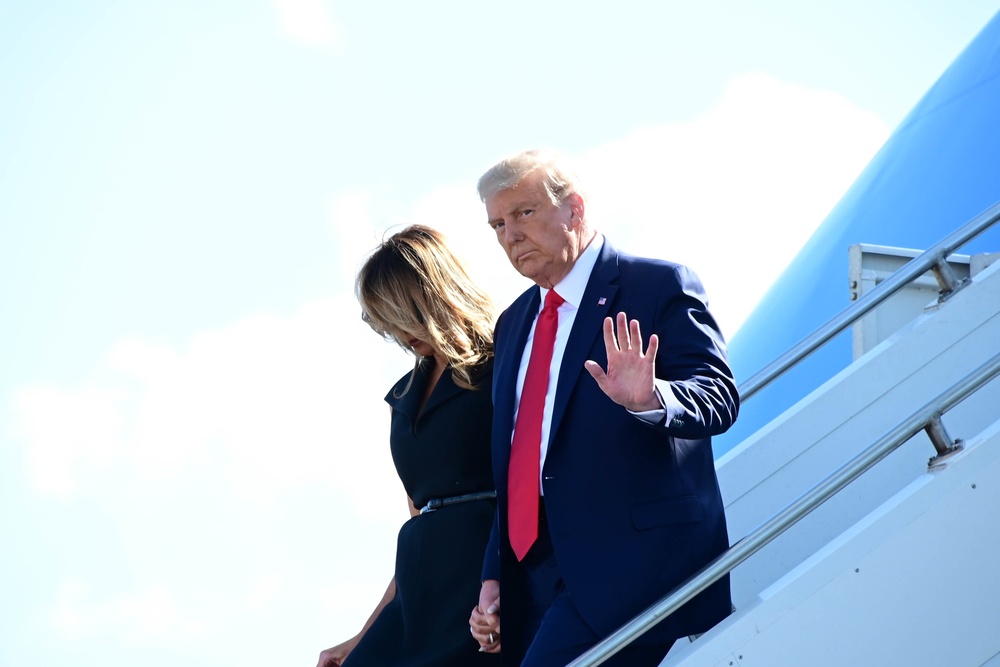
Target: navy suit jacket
(633, 508)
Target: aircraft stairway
(899, 567)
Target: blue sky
(193, 458)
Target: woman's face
(415, 339)
(420, 348)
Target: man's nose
(511, 233)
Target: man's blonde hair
(559, 178)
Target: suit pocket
(667, 511)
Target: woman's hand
(335, 656)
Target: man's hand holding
(485, 619)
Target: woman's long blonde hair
(413, 283)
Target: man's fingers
(610, 343)
(635, 334)
(620, 335)
(654, 345)
(623, 342)
(595, 371)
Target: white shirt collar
(572, 287)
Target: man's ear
(577, 208)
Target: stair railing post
(948, 282)
(944, 445)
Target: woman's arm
(335, 655)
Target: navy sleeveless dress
(441, 452)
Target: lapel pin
(601, 301)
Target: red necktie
(522, 479)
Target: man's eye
(497, 226)
(525, 213)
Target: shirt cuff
(656, 415)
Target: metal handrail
(932, 259)
(926, 416)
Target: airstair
(866, 518)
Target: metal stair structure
(899, 567)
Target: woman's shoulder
(483, 373)
(403, 387)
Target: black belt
(438, 503)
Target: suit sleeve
(491, 559)
(692, 367)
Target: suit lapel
(409, 403)
(516, 323)
(598, 300)
(443, 390)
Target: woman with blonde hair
(414, 291)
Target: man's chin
(523, 268)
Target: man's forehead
(529, 190)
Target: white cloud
(67, 431)
(309, 22)
(264, 591)
(734, 193)
(271, 402)
(353, 234)
(254, 456)
(149, 613)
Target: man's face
(541, 239)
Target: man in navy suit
(629, 502)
